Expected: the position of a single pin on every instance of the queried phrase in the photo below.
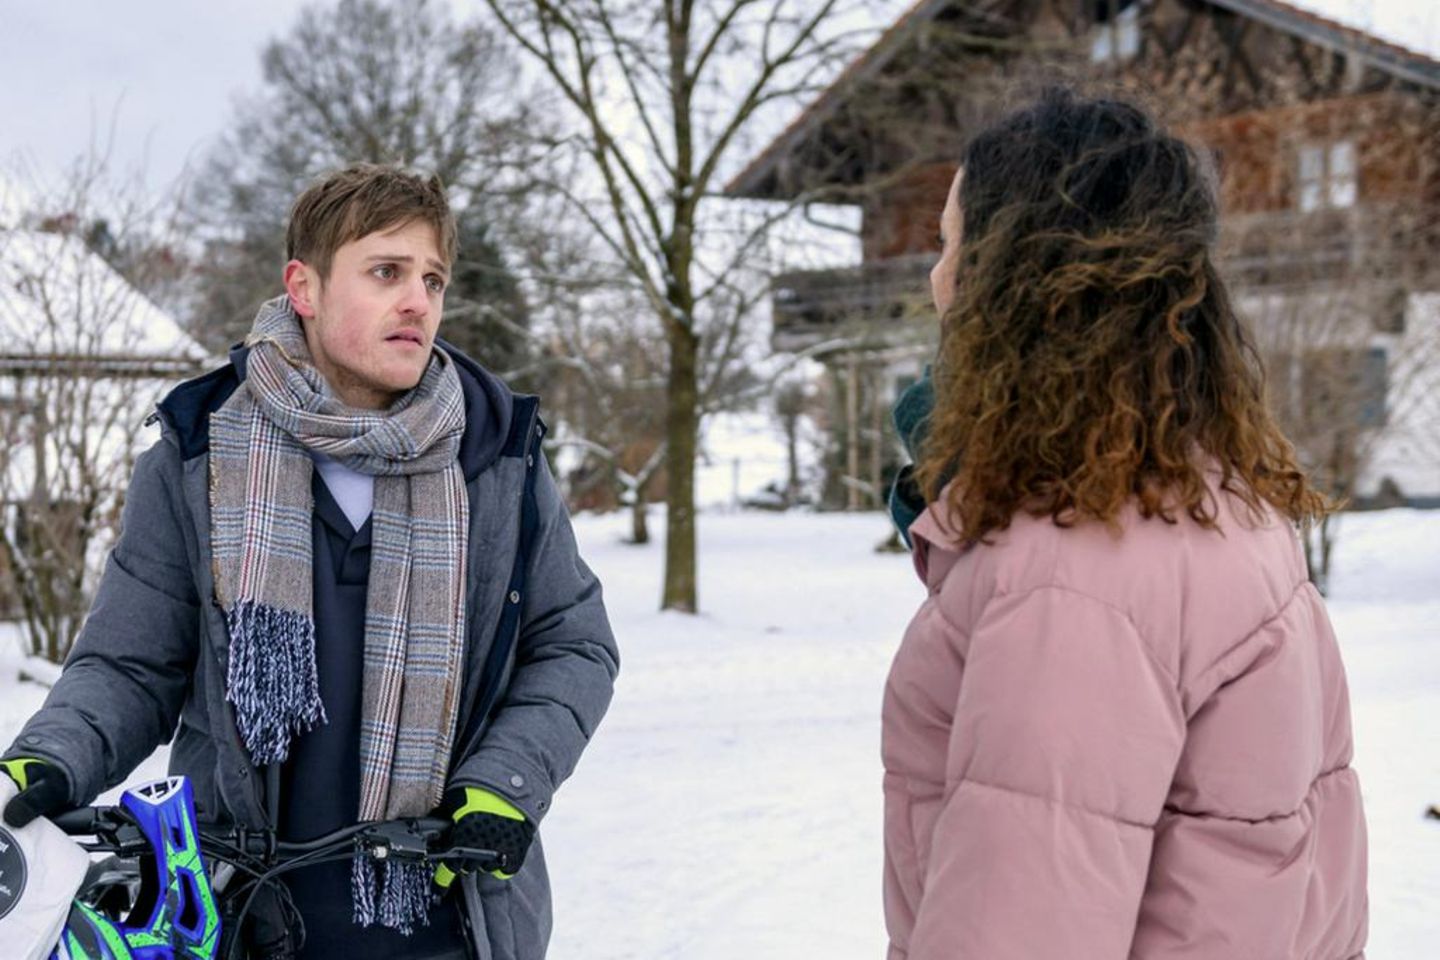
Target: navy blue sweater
(320, 782)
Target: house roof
(757, 178)
(1408, 64)
(58, 298)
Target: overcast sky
(165, 71)
(168, 71)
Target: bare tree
(383, 82)
(1354, 368)
(663, 94)
(601, 374)
(85, 356)
(593, 347)
(1337, 276)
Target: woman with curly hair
(1118, 725)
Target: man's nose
(415, 302)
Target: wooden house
(84, 356)
(1327, 144)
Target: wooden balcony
(857, 305)
(1289, 248)
(867, 306)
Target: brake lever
(114, 831)
(397, 839)
(123, 840)
(82, 821)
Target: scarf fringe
(272, 680)
(393, 894)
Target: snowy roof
(1387, 34)
(13, 202)
(1413, 25)
(57, 297)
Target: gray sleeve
(565, 666)
(120, 693)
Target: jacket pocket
(926, 801)
(902, 854)
(499, 921)
(474, 914)
(518, 911)
(193, 756)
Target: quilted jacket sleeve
(1066, 734)
(127, 675)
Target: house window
(1390, 312)
(1329, 176)
(1117, 31)
(1345, 385)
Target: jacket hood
(489, 408)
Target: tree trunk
(681, 429)
(792, 459)
(852, 433)
(1327, 547)
(1319, 542)
(877, 436)
(639, 528)
(1311, 563)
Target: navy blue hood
(489, 408)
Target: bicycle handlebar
(242, 862)
(80, 822)
(405, 837)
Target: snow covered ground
(730, 805)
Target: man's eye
(384, 271)
(436, 284)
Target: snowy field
(730, 805)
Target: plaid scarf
(261, 516)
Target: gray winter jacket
(150, 661)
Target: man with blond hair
(347, 585)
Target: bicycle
(170, 889)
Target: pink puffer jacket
(1100, 747)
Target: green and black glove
(44, 789)
(484, 821)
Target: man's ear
(303, 286)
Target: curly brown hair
(1091, 356)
